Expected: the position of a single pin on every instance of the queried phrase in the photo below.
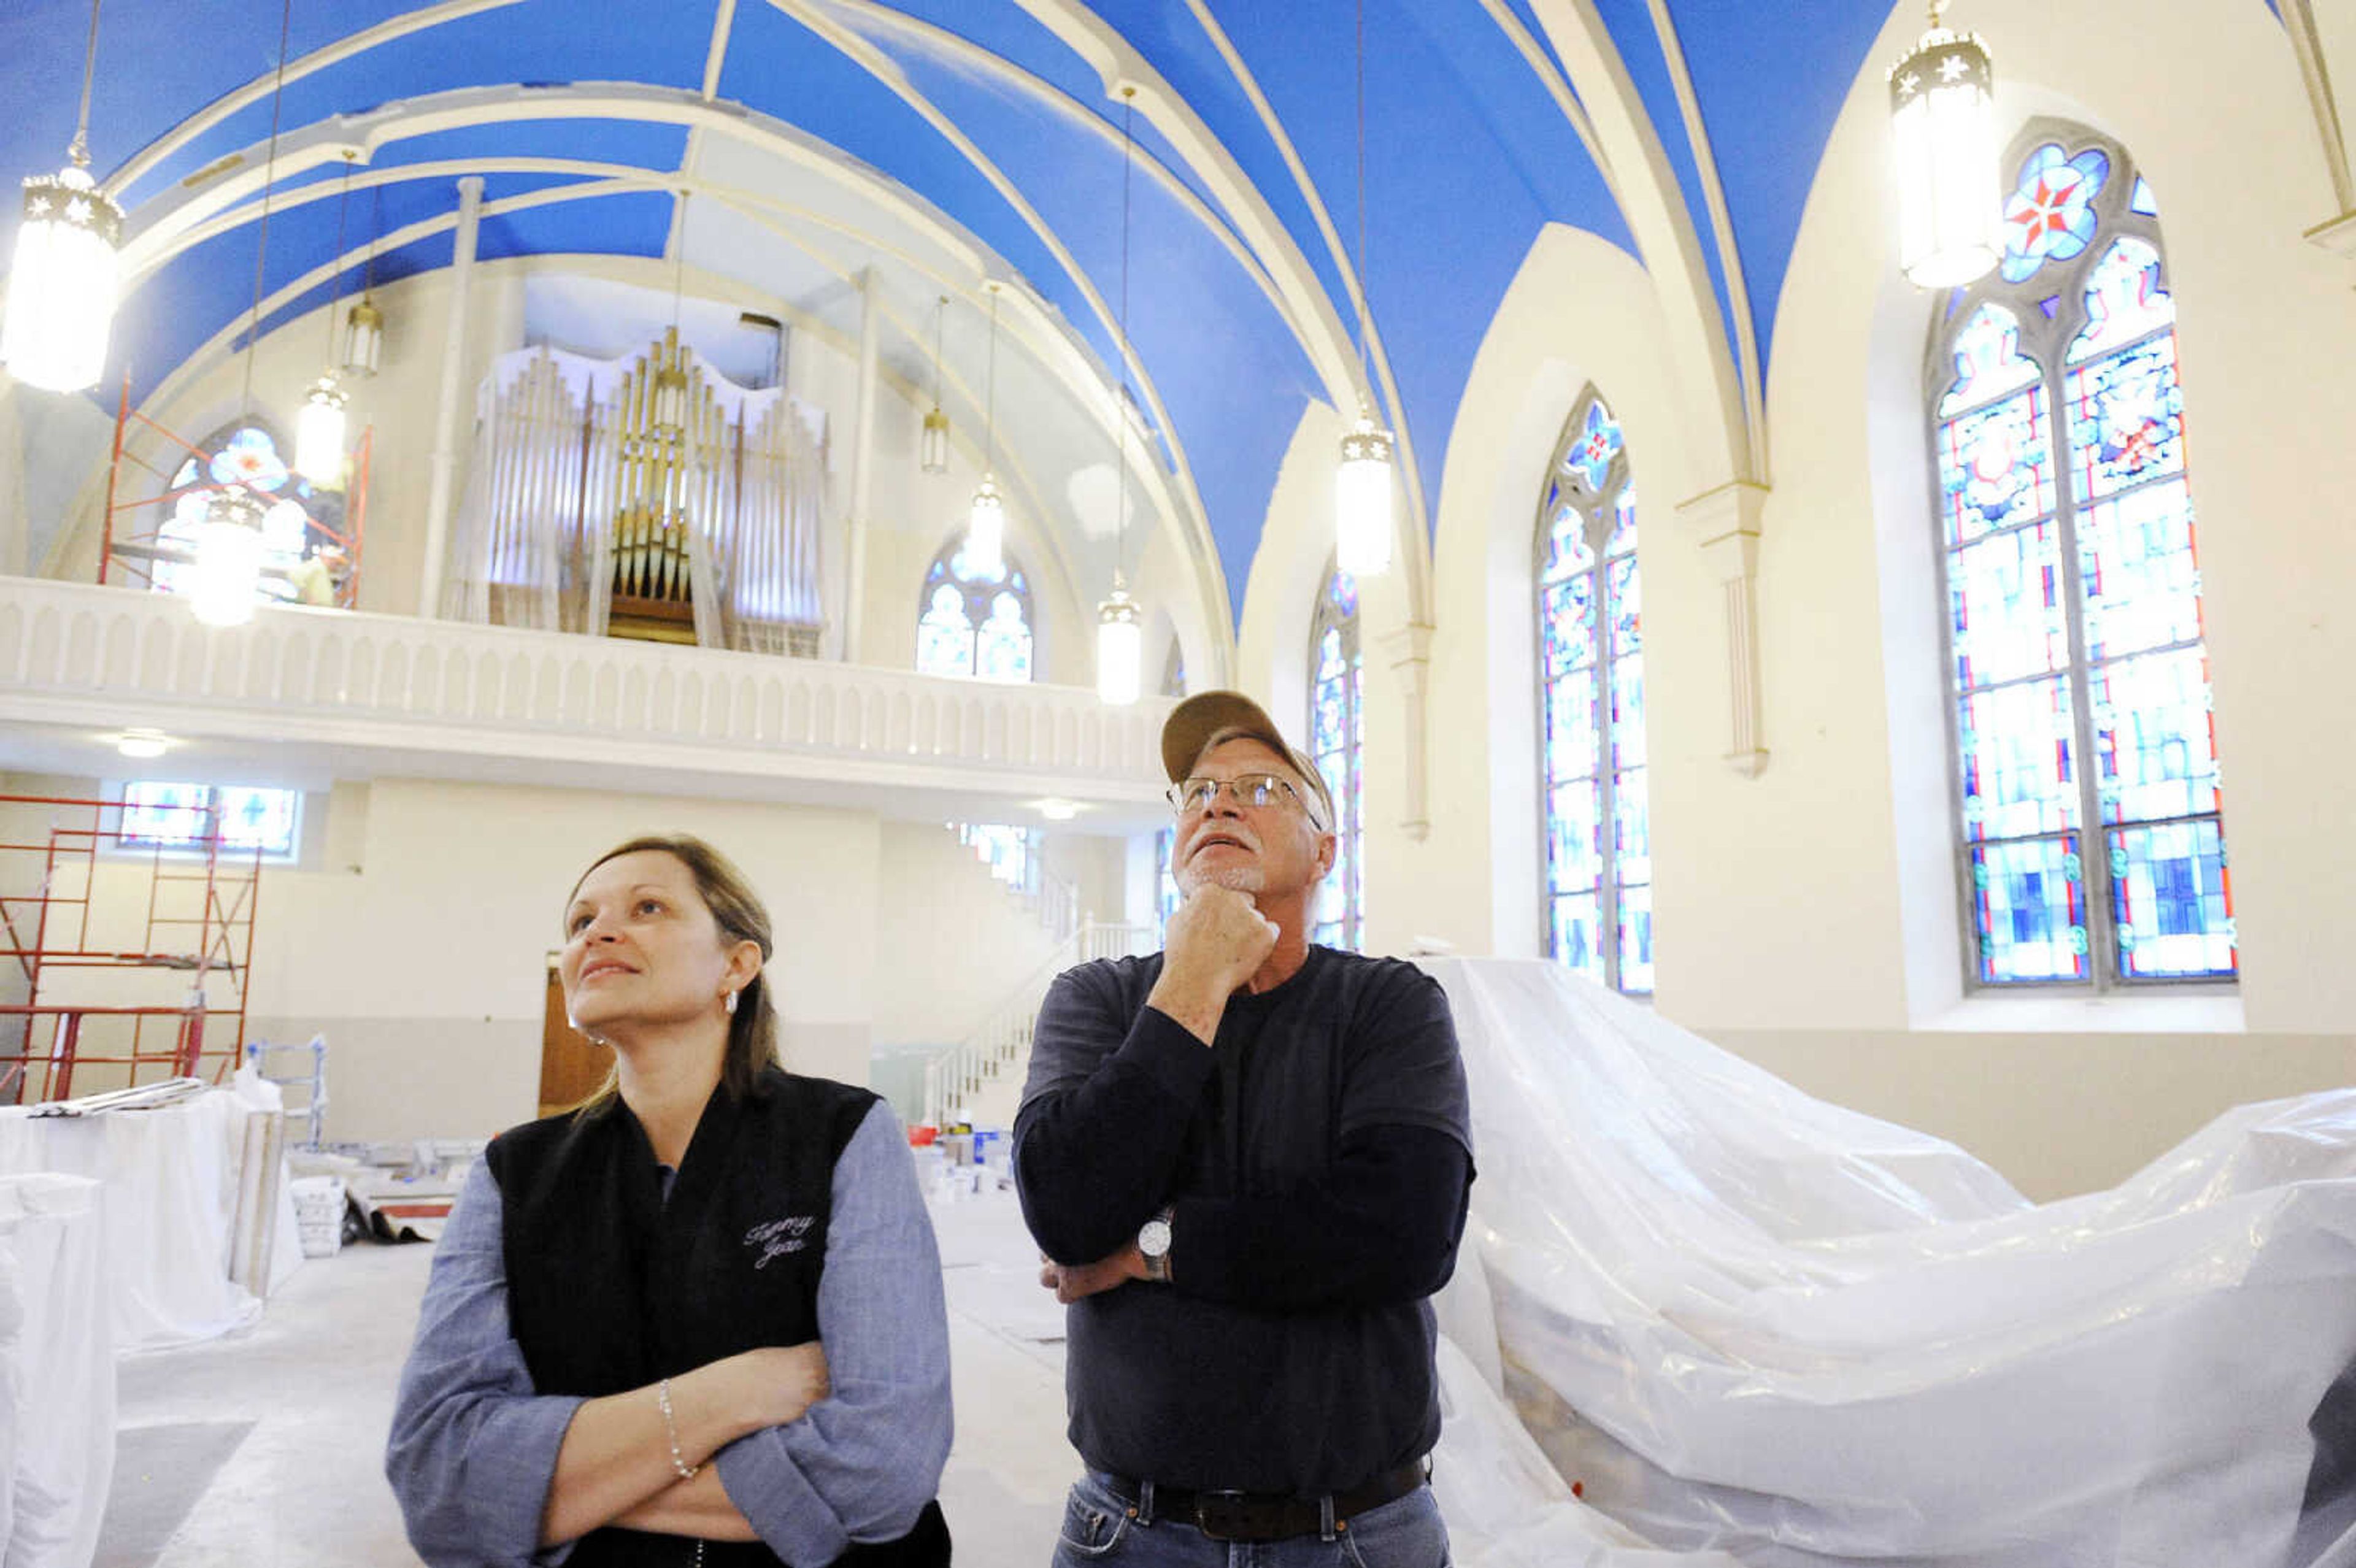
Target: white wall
(951, 940)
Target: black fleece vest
(610, 1287)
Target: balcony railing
(77, 655)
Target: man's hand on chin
(1075, 1282)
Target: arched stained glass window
(2092, 846)
(303, 556)
(1166, 896)
(974, 623)
(1337, 704)
(1599, 860)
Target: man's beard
(1234, 879)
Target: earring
(729, 1002)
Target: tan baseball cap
(1193, 722)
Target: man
(1245, 1160)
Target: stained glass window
(179, 816)
(1337, 704)
(974, 623)
(1599, 849)
(303, 556)
(1166, 896)
(2092, 844)
(1011, 853)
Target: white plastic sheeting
(56, 1372)
(1750, 1321)
(171, 1176)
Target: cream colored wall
(953, 941)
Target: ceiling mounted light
(1942, 126)
(1363, 514)
(985, 531)
(226, 576)
(1056, 810)
(933, 447)
(62, 287)
(142, 744)
(1120, 631)
(364, 325)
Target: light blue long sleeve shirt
(472, 1448)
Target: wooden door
(570, 1066)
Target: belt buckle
(1225, 1516)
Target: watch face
(1153, 1240)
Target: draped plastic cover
(1750, 1321)
(56, 1372)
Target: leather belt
(1272, 1516)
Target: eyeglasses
(1257, 790)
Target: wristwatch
(1153, 1245)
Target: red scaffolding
(64, 935)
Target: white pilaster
(1409, 648)
(443, 480)
(1725, 524)
(862, 465)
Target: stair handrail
(958, 1071)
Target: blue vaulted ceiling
(992, 121)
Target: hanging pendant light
(1362, 500)
(1120, 646)
(666, 414)
(226, 576)
(1942, 126)
(364, 325)
(933, 447)
(61, 286)
(319, 435)
(1120, 631)
(319, 428)
(985, 528)
(1362, 517)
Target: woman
(698, 1320)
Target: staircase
(979, 1078)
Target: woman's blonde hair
(737, 910)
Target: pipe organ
(649, 498)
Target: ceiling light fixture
(1120, 632)
(142, 744)
(985, 528)
(61, 286)
(933, 447)
(1942, 128)
(1363, 519)
(226, 576)
(364, 325)
(320, 428)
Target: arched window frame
(2047, 303)
(1337, 706)
(1591, 496)
(213, 464)
(979, 597)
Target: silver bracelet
(670, 1429)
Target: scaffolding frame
(49, 929)
(137, 550)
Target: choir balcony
(340, 694)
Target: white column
(1725, 523)
(862, 465)
(444, 471)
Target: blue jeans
(1405, 1533)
